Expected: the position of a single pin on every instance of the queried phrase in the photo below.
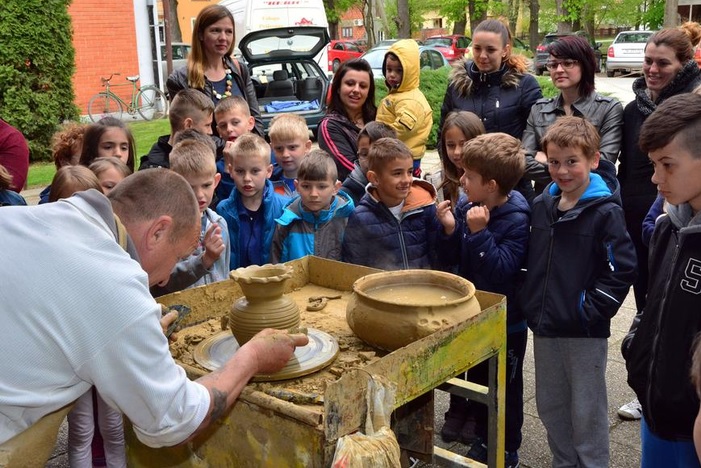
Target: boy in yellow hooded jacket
(405, 108)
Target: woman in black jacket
(210, 67)
(494, 84)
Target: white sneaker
(631, 411)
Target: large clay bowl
(425, 302)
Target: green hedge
(36, 66)
(434, 84)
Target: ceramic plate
(321, 350)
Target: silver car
(627, 52)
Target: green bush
(36, 66)
(547, 86)
(434, 84)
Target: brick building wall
(348, 20)
(104, 37)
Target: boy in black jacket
(581, 264)
(659, 346)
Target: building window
(347, 32)
(437, 23)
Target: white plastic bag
(377, 447)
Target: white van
(254, 15)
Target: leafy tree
(654, 16)
(334, 12)
(36, 66)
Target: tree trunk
(330, 5)
(512, 14)
(533, 37)
(402, 20)
(460, 25)
(369, 21)
(671, 14)
(175, 33)
(562, 26)
(478, 13)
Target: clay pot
(263, 304)
(391, 309)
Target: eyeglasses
(566, 64)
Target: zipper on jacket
(656, 338)
(547, 275)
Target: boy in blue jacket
(581, 264)
(314, 221)
(487, 239)
(394, 226)
(658, 348)
(251, 209)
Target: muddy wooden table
(262, 430)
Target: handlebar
(107, 80)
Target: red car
(453, 47)
(340, 51)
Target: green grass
(40, 174)
(145, 135)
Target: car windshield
(634, 38)
(375, 57)
(439, 41)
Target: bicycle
(149, 101)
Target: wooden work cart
(261, 430)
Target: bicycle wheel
(103, 105)
(152, 102)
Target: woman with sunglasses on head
(572, 67)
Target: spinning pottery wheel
(321, 350)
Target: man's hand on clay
(273, 348)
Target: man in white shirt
(77, 312)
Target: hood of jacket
(683, 216)
(407, 51)
(603, 185)
(421, 193)
(341, 206)
(465, 75)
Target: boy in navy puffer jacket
(487, 239)
(394, 226)
(581, 264)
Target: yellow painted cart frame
(260, 430)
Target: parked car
(453, 47)
(340, 51)
(180, 52)
(542, 54)
(627, 52)
(284, 73)
(430, 58)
